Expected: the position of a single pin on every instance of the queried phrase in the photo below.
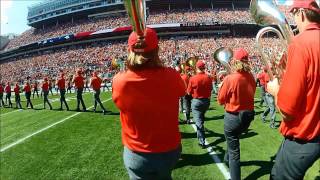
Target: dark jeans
(28, 97)
(8, 97)
(18, 101)
(46, 100)
(293, 159)
(234, 125)
(35, 91)
(199, 108)
(80, 100)
(63, 99)
(97, 100)
(150, 166)
(1, 100)
(187, 106)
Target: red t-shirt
(1, 89)
(16, 90)
(237, 92)
(7, 89)
(261, 77)
(299, 93)
(149, 107)
(200, 86)
(27, 88)
(78, 82)
(45, 86)
(185, 78)
(61, 83)
(96, 83)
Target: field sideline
(88, 145)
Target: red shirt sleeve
(293, 85)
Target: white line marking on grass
(43, 129)
(215, 158)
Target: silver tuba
(223, 56)
(265, 13)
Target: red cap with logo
(241, 54)
(200, 64)
(150, 40)
(305, 4)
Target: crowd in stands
(100, 55)
(172, 16)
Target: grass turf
(88, 145)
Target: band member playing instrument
(45, 90)
(8, 94)
(147, 94)
(61, 83)
(298, 96)
(200, 87)
(17, 96)
(27, 90)
(237, 95)
(187, 98)
(95, 83)
(78, 81)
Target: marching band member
(35, 89)
(95, 83)
(8, 94)
(17, 95)
(269, 98)
(298, 96)
(147, 94)
(200, 87)
(237, 95)
(45, 90)
(187, 98)
(78, 81)
(1, 95)
(27, 90)
(61, 83)
(261, 77)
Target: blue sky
(14, 15)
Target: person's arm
(291, 94)
(223, 92)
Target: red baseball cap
(45, 79)
(241, 54)
(150, 39)
(305, 4)
(200, 64)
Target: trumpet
(266, 13)
(223, 56)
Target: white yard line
(216, 159)
(43, 129)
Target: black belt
(302, 141)
(234, 113)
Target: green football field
(43, 144)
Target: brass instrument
(136, 10)
(265, 13)
(223, 56)
(191, 62)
